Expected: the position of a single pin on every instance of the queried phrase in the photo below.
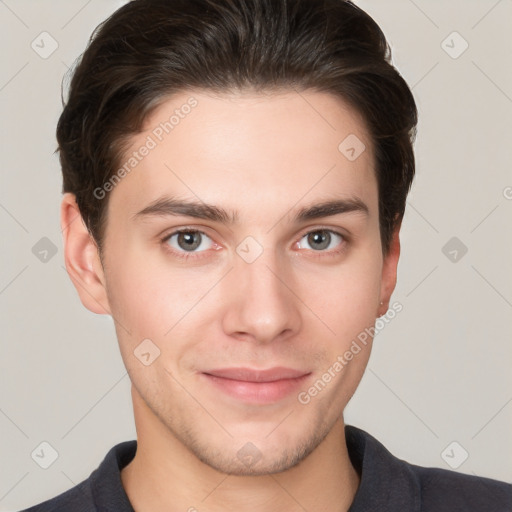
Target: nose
(262, 305)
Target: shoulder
(78, 498)
(442, 489)
(102, 491)
(390, 483)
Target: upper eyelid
(184, 230)
(302, 235)
(337, 231)
(165, 238)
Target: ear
(82, 258)
(389, 270)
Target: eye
(189, 240)
(322, 239)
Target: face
(243, 247)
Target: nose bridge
(262, 278)
(257, 265)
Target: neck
(165, 475)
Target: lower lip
(257, 392)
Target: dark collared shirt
(388, 484)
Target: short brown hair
(150, 49)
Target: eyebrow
(199, 210)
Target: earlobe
(389, 271)
(82, 258)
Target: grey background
(440, 371)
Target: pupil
(186, 240)
(321, 238)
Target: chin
(259, 457)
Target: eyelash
(192, 255)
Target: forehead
(248, 151)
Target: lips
(257, 385)
(248, 375)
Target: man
(235, 175)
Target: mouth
(259, 386)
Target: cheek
(347, 303)
(346, 297)
(153, 300)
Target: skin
(264, 156)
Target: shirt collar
(106, 485)
(387, 483)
